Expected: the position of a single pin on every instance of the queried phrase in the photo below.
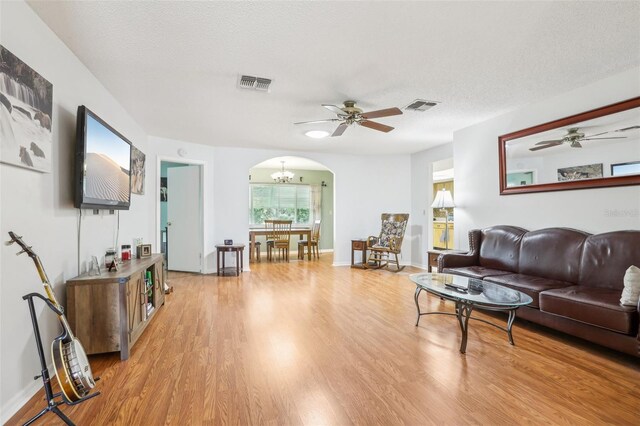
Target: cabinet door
(439, 236)
(135, 305)
(158, 284)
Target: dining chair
(281, 239)
(270, 236)
(315, 238)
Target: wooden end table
(221, 249)
(361, 246)
(433, 255)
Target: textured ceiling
(174, 65)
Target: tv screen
(103, 164)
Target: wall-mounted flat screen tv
(103, 164)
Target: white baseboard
(420, 266)
(18, 401)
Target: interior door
(183, 219)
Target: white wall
(421, 199)
(475, 149)
(40, 206)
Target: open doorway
(180, 213)
(443, 205)
(295, 189)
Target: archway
(303, 195)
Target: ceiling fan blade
(546, 142)
(340, 130)
(381, 113)
(376, 126)
(627, 128)
(597, 134)
(602, 139)
(334, 109)
(318, 121)
(537, 148)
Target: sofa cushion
(528, 284)
(474, 271)
(606, 257)
(552, 253)
(591, 305)
(500, 247)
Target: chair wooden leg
(398, 267)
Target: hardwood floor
(306, 343)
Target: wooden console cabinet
(109, 312)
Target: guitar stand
(52, 404)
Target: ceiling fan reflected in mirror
(350, 114)
(574, 136)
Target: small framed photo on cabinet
(143, 250)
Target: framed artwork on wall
(137, 171)
(163, 189)
(26, 114)
(591, 171)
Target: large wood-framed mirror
(597, 148)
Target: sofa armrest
(459, 260)
(456, 260)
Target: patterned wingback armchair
(388, 242)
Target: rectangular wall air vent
(260, 84)
(421, 105)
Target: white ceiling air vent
(260, 84)
(420, 105)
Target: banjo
(69, 359)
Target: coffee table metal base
(463, 313)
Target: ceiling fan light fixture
(317, 134)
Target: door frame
(158, 233)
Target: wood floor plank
(305, 343)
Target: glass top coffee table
(469, 294)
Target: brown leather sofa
(574, 278)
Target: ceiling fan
(574, 136)
(350, 114)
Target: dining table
(301, 231)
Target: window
(280, 201)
